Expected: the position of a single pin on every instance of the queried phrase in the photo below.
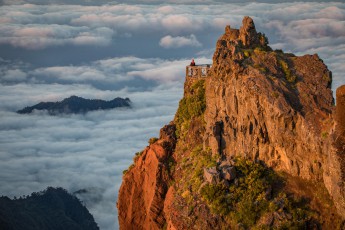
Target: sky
(50, 50)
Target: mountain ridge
(250, 139)
(75, 104)
(53, 208)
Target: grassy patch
(248, 199)
(247, 53)
(137, 155)
(287, 72)
(194, 167)
(324, 135)
(127, 170)
(275, 94)
(190, 106)
(260, 68)
(152, 140)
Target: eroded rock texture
(262, 105)
(274, 107)
(144, 186)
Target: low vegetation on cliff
(191, 106)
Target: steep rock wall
(262, 105)
(145, 184)
(273, 107)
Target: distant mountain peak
(75, 104)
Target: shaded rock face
(211, 175)
(273, 107)
(144, 186)
(340, 117)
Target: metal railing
(197, 70)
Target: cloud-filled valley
(138, 50)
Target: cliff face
(273, 107)
(145, 184)
(256, 104)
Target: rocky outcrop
(263, 114)
(274, 107)
(268, 107)
(144, 186)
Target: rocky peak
(257, 112)
(246, 36)
(232, 46)
(277, 108)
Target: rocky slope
(259, 144)
(53, 208)
(76, 104)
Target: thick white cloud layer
(77, 151)
(150, 46)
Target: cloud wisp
(179, 41)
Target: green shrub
(324, 135)
(286, 70)
(190, 106)
(194, 167)
(247, 53)
(171, 165)
(152, 140)
(275, 94)
(137, 155)
(280, 51)
(259, 50)
(217, 198)
(127, 170)
(246, 200)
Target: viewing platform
(198, 71)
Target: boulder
(211, 175)
(228, 173)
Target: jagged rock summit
(246, 36)
(257, 143)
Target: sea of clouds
(52, 50)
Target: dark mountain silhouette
(53, 208)
(76, 104)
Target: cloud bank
(76, 151)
